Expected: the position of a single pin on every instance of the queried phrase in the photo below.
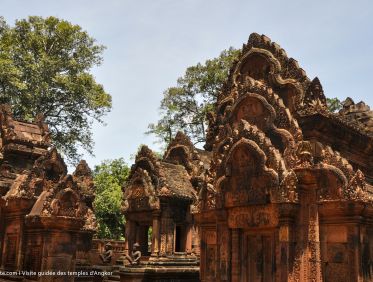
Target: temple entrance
(258, 257)
(180, 238)
(144, 239)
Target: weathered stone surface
(46, 216)
(283, 191)
(286, 196)
(157, 197)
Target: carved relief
(356, 189)
(11, 250)
(50, 166)
(181, 151)
(315, 94)
(248, 180)
(267, 177)
(288, 191)
(254, 109)
(211, 262)
(83, 176)
(139, 193)
(253, 217)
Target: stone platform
(162, 269)
(150, 273)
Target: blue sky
(150, 43)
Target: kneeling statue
(107, 254)
(134, 258)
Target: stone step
(10, 278)
(115, 276)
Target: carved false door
(258, 258)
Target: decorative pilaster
(189, 239)
(314, 269)
(236, 269)
(156, 233)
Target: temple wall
(208, 259)
(58, 254)
(84, 245)
(336, 263)
(12, 242)
(2, 228)
(367, 256)
(33, 251)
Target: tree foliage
(45, 68)
(185, 105)
(109, 176)
(334, 104)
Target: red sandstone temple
(46, 218)
(158, 195)
(282, 192)
(288, 196)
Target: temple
(288, 195)
(157, 197)
(281, 192)
(46, 216)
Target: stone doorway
(180, 239)
(258, 257)
(143, 238)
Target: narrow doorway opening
(180, 238)
(150, 236)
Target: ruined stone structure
(46, 215)
(288, 196)
(159, 194)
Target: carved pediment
(62, 200)
(65, 200)
(255, 65)
(83, 176)
(255, 109)
(50, 166)
(139, 193)
(259, 154)
(146, 160)
(262, 65)
(247, 179)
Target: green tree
(184, 106)
(109, 176)
(334, 104)
(45, 68)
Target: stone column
(196, 241)
(311, 258)
(130, 235)
(156, 233)
(354, 244)
(223, 247)
(236, 269)
(223, 256)
(284, 252)
(284, 241)
(21, 249)
(323, 251)
(138, 233)
(189, 239)
(314, 244)
(2, 229)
